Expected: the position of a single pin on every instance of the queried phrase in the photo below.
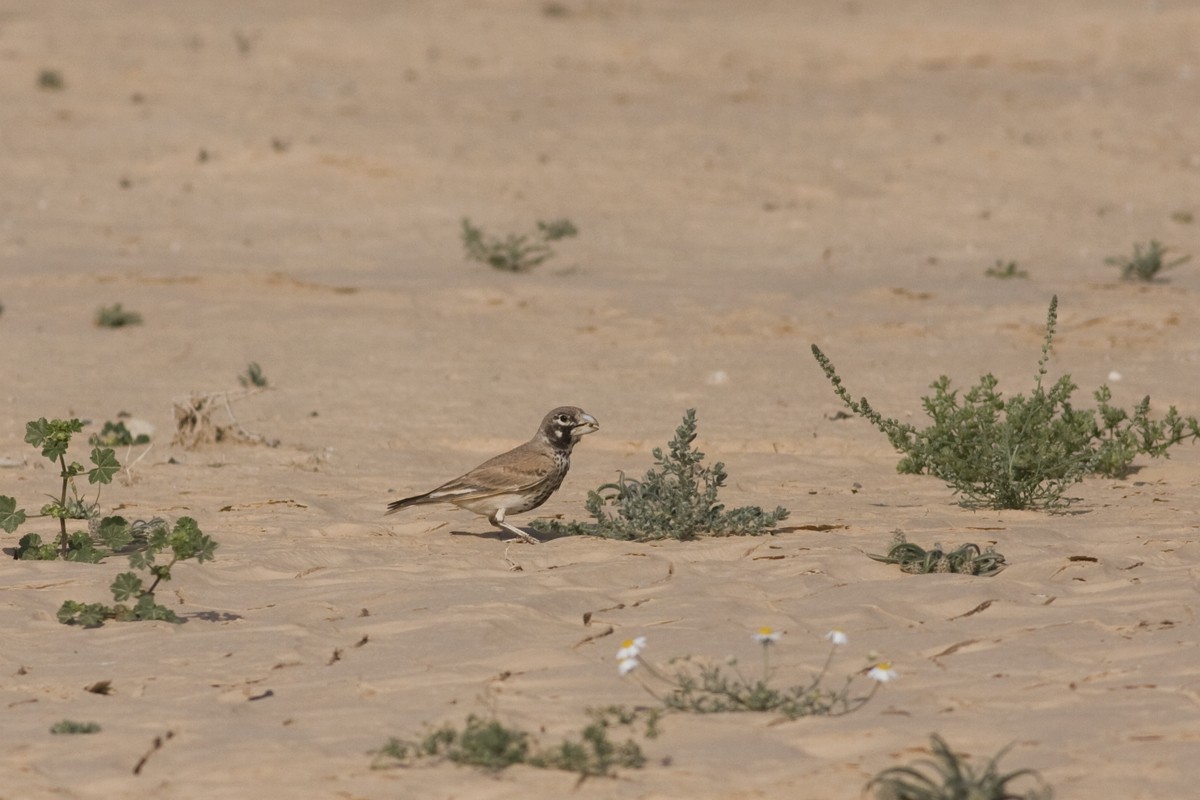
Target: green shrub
(1021, 452)
(677, 499)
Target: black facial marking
(560, 431)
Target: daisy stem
(828, 662)
(641, 681)
(653, 673)
(860, 702)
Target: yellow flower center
(627, 643)
(765, 631)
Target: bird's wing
(516, 471)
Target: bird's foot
(520, 534)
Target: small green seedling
(515, 253)
(948, 776)
(677, 499)
(51, 80)
(967, 559)
(53, 437)
(1145, 265)
(115, 316)
(70, 726)
(253, 376)
(1005, 269)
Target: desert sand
(284, 182)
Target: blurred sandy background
(283, 182)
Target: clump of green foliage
(1021, 452)
(51, 80)
(698, 686)
(490, 745)
(711, 690)
(53, 437)
(1005, 269)
(515, 253)
(967, 559)
(948, 776)
(676, 499)
(134, 599)
(1145, 265)
(116, 434)
(115, 316)
(253, 376)
(70, 726)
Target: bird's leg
(497, 519)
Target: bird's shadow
(506, 538)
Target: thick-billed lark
(519, 480)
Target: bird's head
(565, 425)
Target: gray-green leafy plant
(115, 316)
(253, 376)
(948, 776)
(1145, 265)
(134, 599)
(966, 559)
(490, 745)
(676, 499)
(1005, 269)
(70, 726)
(1018, 451)
(515, 253)
(53, 438)
(698, 686)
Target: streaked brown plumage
(519, 480)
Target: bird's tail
(417, 500)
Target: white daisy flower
(767, 636)
(882, 672)
(631, 648)
(837, 637)
(627, 665)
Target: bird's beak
(587, 424)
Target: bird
(519, 480)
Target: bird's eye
(563, 419)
